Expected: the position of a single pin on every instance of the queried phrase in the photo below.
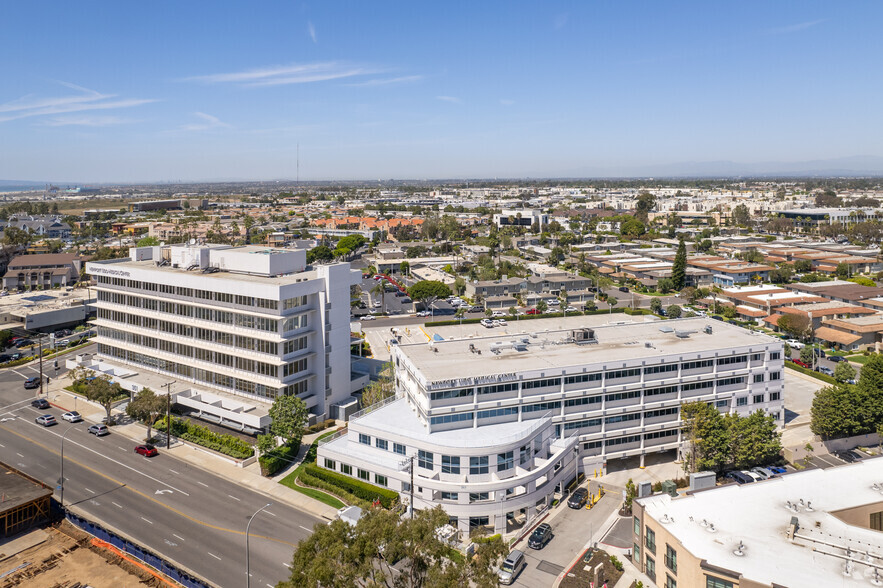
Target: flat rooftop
(221, 275)
(619, 338)
(758, 516)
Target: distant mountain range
(859, 165)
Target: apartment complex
(803, 529)
(493, 426)
(249, 321)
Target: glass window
(743, 401)
(650, 540)
(636, 554)
(348, 470)
(713, 582)
(651, 569)
(670, 582)
(380, 480)
(505, 461)
(363, 475)
(424, 459)
(637, 526)
(381, 444)
(478, 465)
(671, 559)
(758, 399)
(364, 439)
(449, 496)
(398, 448)
(450, 464)
(758, 378)
(775, 395)
(329, 463)
(478, 496)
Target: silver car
(512, 566)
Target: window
(661, 434)
(451, 418)
(345, 469)
(524, 454)
(364, 439)
(621, 418)
(580, 424)
(622, 396)
(542, 406)
(637, 553)
(757, 357)
(637, 526)
(775, 355)
(722, 403)
(702, 363)
(449, 496)
(583, 401)
(450, 464)
(623, 440)
(592, 445)
(731, 381)
(505, 461)
(398, 448)
(363, 475)
(478, 465)
(758, 378)
(651, 569)
(511, 387)
(742, 401)
(329, 463)
(662, 390)
(660, 412)
(424, 459)
(478, 496)
(380, 480)
(671, 559)
(713, 582)
(775, 396)
(757, 399)
(541, 383)
(696, 386)
(650, 540)
(446, 394)
(582, 378)
(775, 376)
(733, 359)
(670, 582)
(487, 414)
(661, 369)
(623, 374)
(382, 444)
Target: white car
(554, 302)
(570, 309)
(498, 313)
(795, 344)
(487, 323)
(368, 317)
(502, 322)
(72, 417)
(377, 304)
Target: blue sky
(166, 90)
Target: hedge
(321, 426)
(528, 317)
(312, 482)
(201, 435)
(358, 488)
(809, 372)
(279, 458)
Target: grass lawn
(862, 359)
(291, 479)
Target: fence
(148, 557)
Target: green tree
(266, 444)
(289, 416)
(741, 216)
(644, 205)
(843, 270)
(542, 306)
(870, 392)
(632, 228)
(147, 242)
(341, 555)
(428, 291)
(147, 406)
(673, 311)
(705, 430)
(655, 305)
(405, 268)
(665, 285)
(835, 412)
(319, 253)
(753, 439)
(797, 325)
(380, 389)
(802, 266)
(679, 267)
(102, 391)
(806, 355)
(844, 371)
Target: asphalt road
(182, 512)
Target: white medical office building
(493, 424)
(243, 325)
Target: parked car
(146, 450)
(570, 309)
(777, 470)
(72, 417)
(823, 369)
(512, 566)
(818, 352)
(486, 323)
(763, 473)
(40, 403)
(578, 498)
(623, 289)
(368, 317)
(32, 383)
(498, 313)
(99, 430)
(540, 536)
(801, 363)
(47, 420)
(739, 477)
(533, 311)
(795, 344)
(849, 456)
(836, 358)
(23, 343)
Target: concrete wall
(793, 454)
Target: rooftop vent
(683, 334)
(582, 336)
(740, 549)
(666, 329)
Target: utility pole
(41, 363)
(168, 388)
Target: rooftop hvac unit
(580, 336)
(708, 330)
(683, 334)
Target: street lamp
(247, 559)
(61, 480)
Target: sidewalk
(249, 476)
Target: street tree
(428, 291)
(844, 371)
(835, 412)
(405, 268)
(753, 439)
(103, 391)
(679, 267)
(741, 216)
(674, 311)
(147, 406)
(806, 354)
(655, 305)
(289, 416)
(797, 325)
(542, 306)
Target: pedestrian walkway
(248, 476)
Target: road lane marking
(146, 521)
(115, 504)
(174, 472)
(89, 490)
(283, 563)
(305, 529)
(230, 495)
(269, 513)
(137, 471)
(143, 495)
(19, 454)
(201, 484)
(178, 536)
(214, 556)
(15, 403)
(18, 372)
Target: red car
(533, 311)
(146, 450)
(801, 363)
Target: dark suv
(540, 536)
(40, 403)
(578, 498)
(32, 383)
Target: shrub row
(201, 435)
(528, 317)
(313, 482)
(319, 426)
(358, 488)
(279, 458)
(809, 372)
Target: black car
(739, 478)
(836, 358)
(623, 289)
(578, 498)
(540, 536)
(32, 383)
(40, 403)
(849, 456)
(23, 343)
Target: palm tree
(460, 313)
(379, 289)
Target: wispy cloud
(452, 99)
(86, 99)
(288, 74)
(507, 102)
(801, 26)
(88, 121)
(387, 81)
(208, 122)
(312, 32)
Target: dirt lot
(67, 559)
(580, 576)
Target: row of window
(758, 398)
(223, 317)
(203, 376)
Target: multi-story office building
(493, 426)
(250, 321)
